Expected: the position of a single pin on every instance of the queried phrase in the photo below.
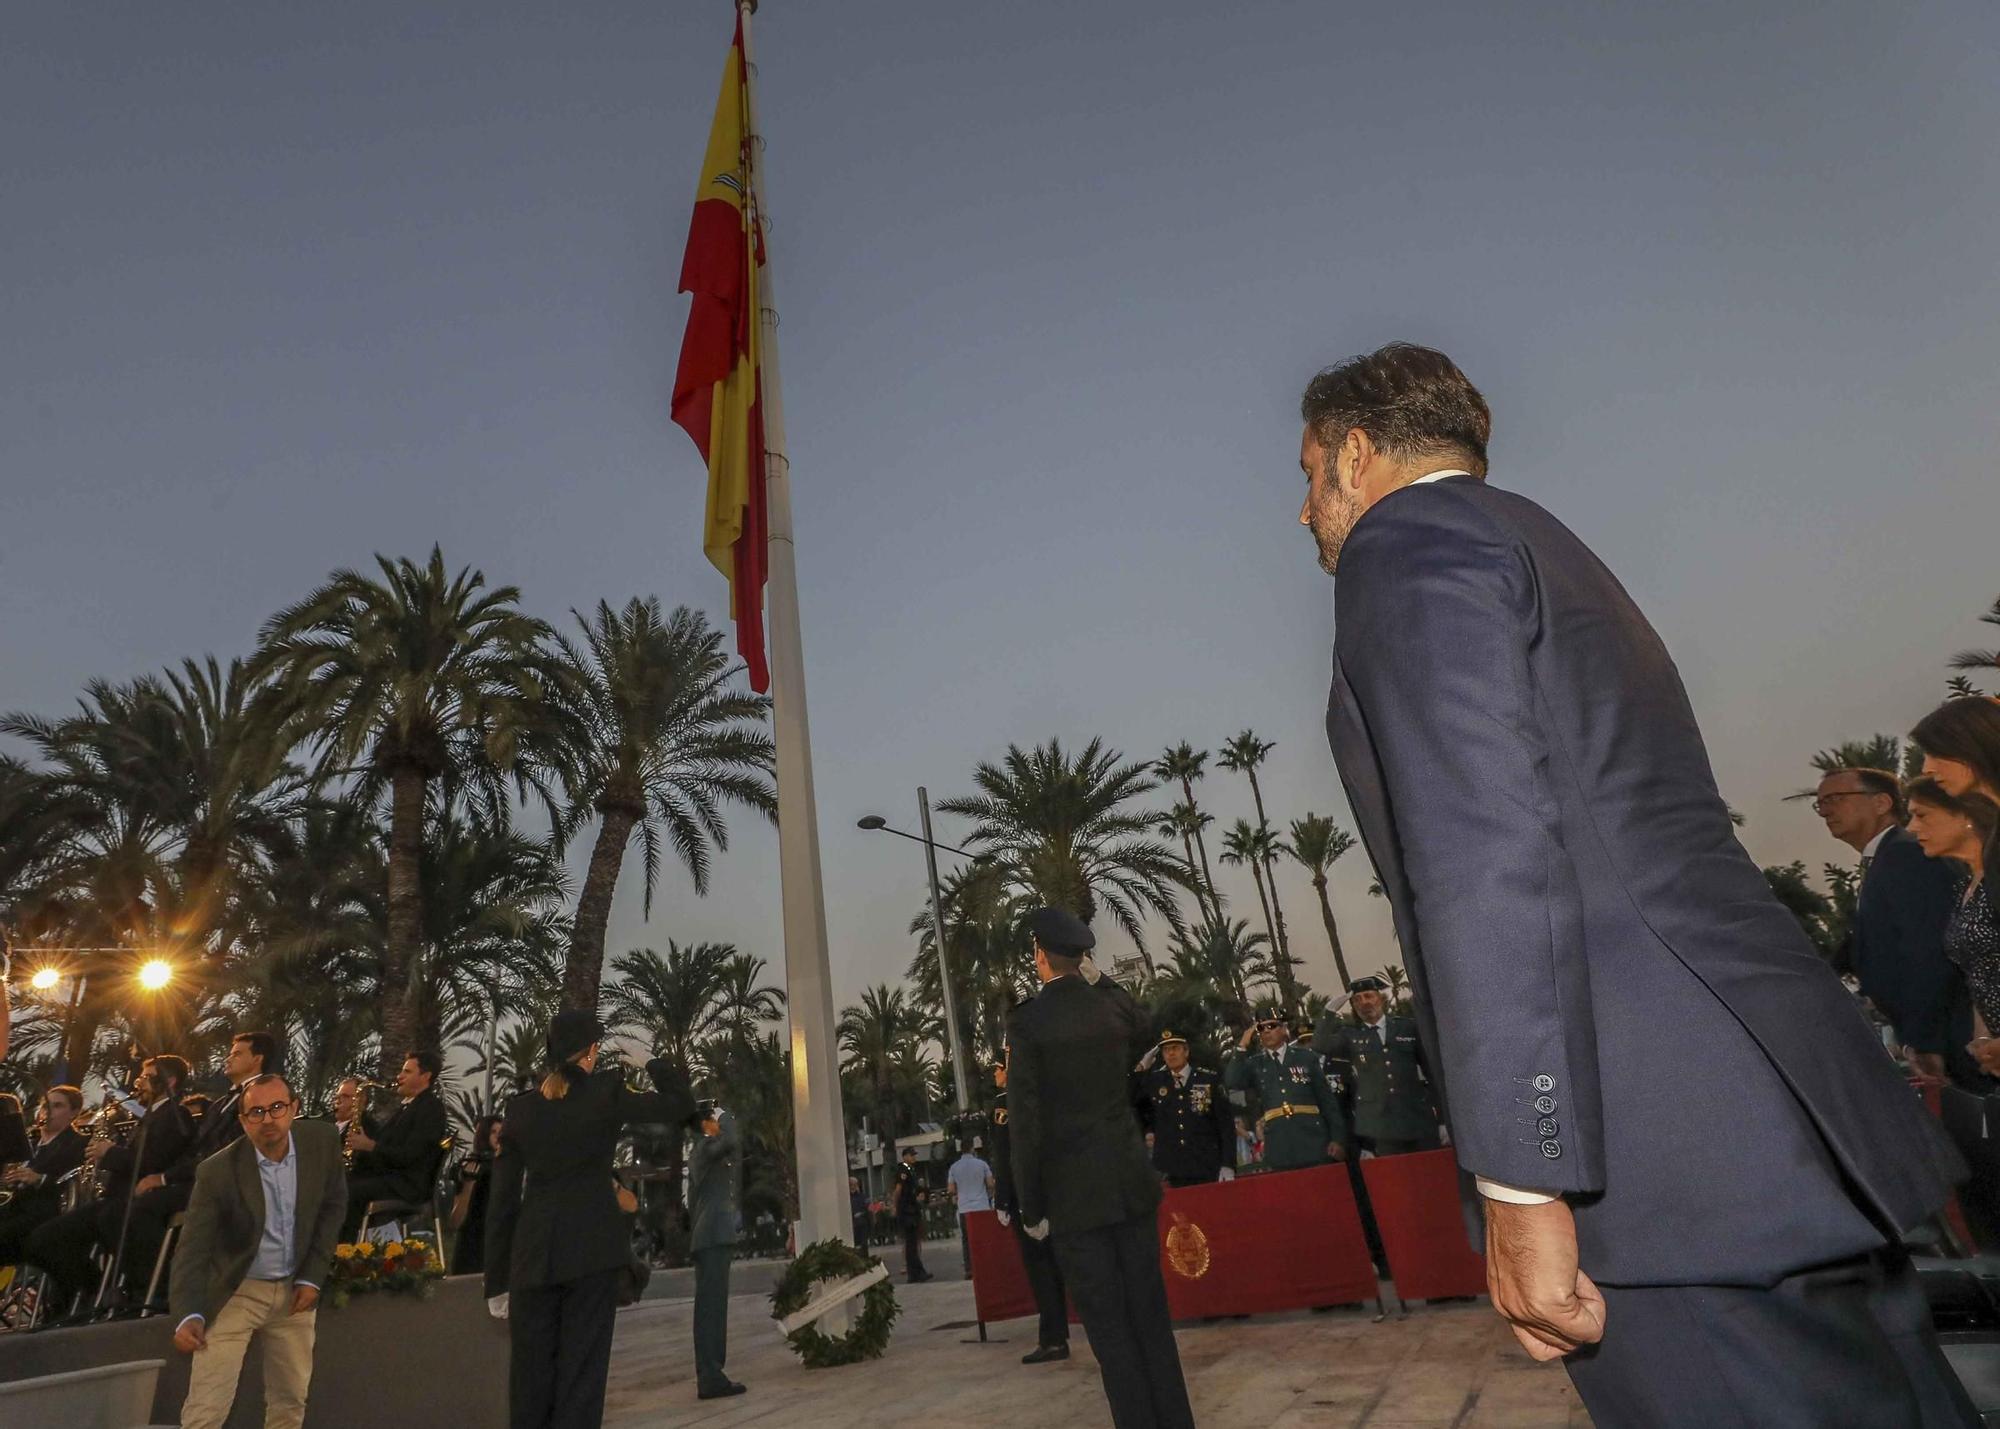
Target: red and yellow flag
(717, 390)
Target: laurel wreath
(867, 1337)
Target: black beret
(1368, 984)
(1060, 932)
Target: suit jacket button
(1547, 1126)
(1545, 1083)
(1552, 1149)
(1545, 1105)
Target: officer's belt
(1287, 1110)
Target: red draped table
(1422, 1220)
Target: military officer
(1038, 1257)
(1185, 1110)
(1379, 1065)
(1302, 1120)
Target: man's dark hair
(265, 1078)
(174, 1069)
(1412, 401)
(263, 1046)
(73, 1095)
(1061, 962)
(1878, 781)
(427, 1061)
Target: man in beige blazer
(254, 1251)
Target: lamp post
(875, 822)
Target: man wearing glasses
(1904, 905)
(254, 1251)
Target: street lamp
(155, 974)
(45, 979)
(876, 823)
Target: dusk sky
(289, 285)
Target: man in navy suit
(1905, 904)
(1692, 1154)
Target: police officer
(1038, 1257)
(1186, 1113)
(1302, 1120)
(1379, 1063)
(907, 1199)
(1081, 1175)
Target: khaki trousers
(260, 1308)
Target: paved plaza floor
(1449, 1367)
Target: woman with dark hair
(1961, 829)
(472, 1189)
(1961, 744)
(557, 1247)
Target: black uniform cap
(1273, 1014)
(571, 1034)
(1060, 932)
(1368, 984)
(1169, 1037)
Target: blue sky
(291, 285)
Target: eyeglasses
(1819, 804)
(258, 1113)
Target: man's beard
(1331, 527)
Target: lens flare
(156, 975)
(44, 979)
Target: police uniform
(908, 1196)
(1300, 1114)
(1384, 1082)
(1038, 1257)
(1189, 1118)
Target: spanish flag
(717, 391)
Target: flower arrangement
(410, 1266)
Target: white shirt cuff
(1513, 1195)
(186, 1318)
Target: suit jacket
(409, 1148)
(1079, 1160)
(1615, 1004)
(564, 1223)
(225, 1220)
(169, 1140)
(50, 1160)
(218, 1127)
(715, 1182)
(1906, 903)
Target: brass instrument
(110, 1124)
(362, 1086)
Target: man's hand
(1928, 1064)
(191, 1336)
(1039, 1230)
(96, 1151)
(304, 1297)
(1243, 1042)
(1335, 1151)
(1535, 1282)
(149, 1183)
(1003, 1218)
(20, 1176)
(1986, 1050)
(359, 1140)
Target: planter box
(385, 1361)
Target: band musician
(399, 1162)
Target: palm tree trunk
(583, 970)
(1207, 878)
(1284, 972)
(406, 918)
(1332, 930)
(1284, 943)
(1187, 844)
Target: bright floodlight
(156, 974)
(44, 979)
(871, 821)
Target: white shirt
(1875, 844)
(1440, 475)
(968, 1177)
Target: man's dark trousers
(1038, 1259)
(711, 1317)
(1846, 1346)
(561, 1352)
(1113, 1275)
(913, 1250)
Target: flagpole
(818, 1130)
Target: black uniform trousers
(363, 1189)
(1381, 1146)
(63, 1246)
(561, 1352)
(913, 1250)
(1045, 1280)
(1845, 1346)
(20, 1220)
(711, 1317)
(1113, 1275)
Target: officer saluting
(1186, 1113)
(1081, 1175)
(1038, 1257)
(1380, 1063)
(1302, 1120)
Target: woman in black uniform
(555, 1249)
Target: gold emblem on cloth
(1187, 1249)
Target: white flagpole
(819, 1132)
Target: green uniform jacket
(1387, 1087)
(715, 1186)
(1292, 1078)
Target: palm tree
(1317, 844)
(664, 745)
(990, 960)
(1207, 988)
(1184, 763)
(1979, 659)
(1259, 848)
(414, 681)
(881, 1043)
(1185, 822)
(1065, 831)
(1242, 755)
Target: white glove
(1367, 1155)
(1228, 1174)
(1088, 970)
(1147, 1062)
(1444, 1136)
(1004, 1218)
(496, 1305)
(1039, 1230)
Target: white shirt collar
(1440, 475)
(1875, 843)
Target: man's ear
(1358, 451)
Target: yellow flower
(393, 1249)
(365, 1249)
(343, 1252)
